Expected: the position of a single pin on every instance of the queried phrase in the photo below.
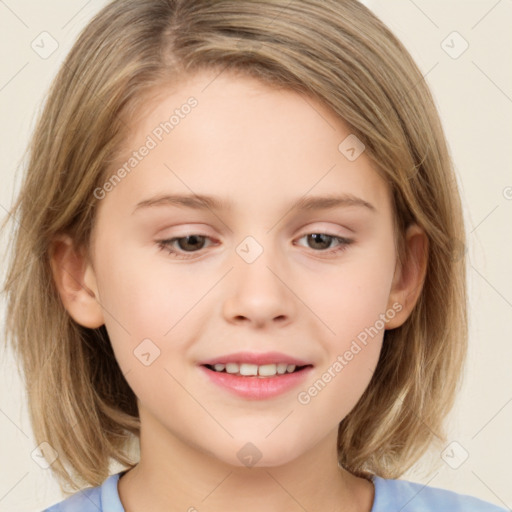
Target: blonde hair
(334, 50)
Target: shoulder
(103, 498)
(404, 496)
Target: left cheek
(350, 377)
(353, 299)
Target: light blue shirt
(390, 496)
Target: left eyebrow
(203, 202)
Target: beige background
(473, 92)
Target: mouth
(254, 370)
(256, 376)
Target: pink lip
(256, 358)
(254, 387)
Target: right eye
(193, 241)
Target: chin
(259, 453)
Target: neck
(173, 476)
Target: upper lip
(256, 358)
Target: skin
(263, 148)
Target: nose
(259, 293)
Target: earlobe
(75, 280)
(409, 278)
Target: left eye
(323, 238)
(193, 243)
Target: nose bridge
(258, 293)
(258, 260)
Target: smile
(246, 369)
(254, 386)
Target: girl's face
(249, 279)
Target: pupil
(194, 238)
(316, 236)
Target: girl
(306, 353)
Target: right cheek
(123, 347)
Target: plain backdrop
(464, 49)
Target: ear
(409, 278)
(76, 282)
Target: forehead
(236, 137)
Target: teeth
(248, 369)
(281, 368)
(232, 367)
(264, 370)
(267, 370)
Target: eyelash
(164, 245)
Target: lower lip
(257, 388)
